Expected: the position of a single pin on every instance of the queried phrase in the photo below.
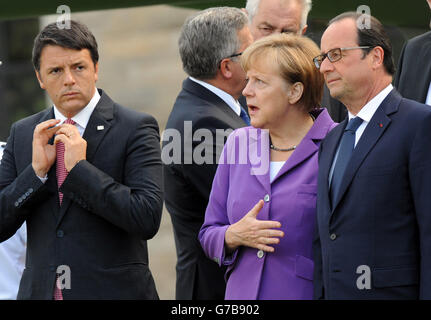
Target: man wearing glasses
(210, 45)
(373, 223)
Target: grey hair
(253, 5)
(208, 37)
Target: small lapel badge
(99, 128)
(381, 125)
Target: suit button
(60, 233)
(260, 254)
(333, 236)
(30, 190)
(266, 198)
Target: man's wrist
(42, 177)
(40, 173)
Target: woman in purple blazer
(261, 213)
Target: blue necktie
(347, 144)
(244, 116)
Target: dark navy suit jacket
(188, 186)
(112, 205)
(413, 75)
(382, 219)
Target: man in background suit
(373, 203)
(287, 16)
(12, 259)
(413, 77)
(210, 45)
(85, 175)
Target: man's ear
(245, 11)
(295, 92)
(39, 78)
(226, 68)
(96, 71)
(378, 55)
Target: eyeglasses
(334, 55)
(231, 56)
(234, 55)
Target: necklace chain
(280, 149)
(288, 149)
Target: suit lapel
(424, 73)
(309, 144)
(97, 127)
(305, 149)
(374, 130)
(326, 159)
(258, 142)
(207, 95)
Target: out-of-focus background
(140, 68)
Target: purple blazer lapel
(309, 144)
(259, 156)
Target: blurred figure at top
(277, 16)
(287, 16)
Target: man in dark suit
(205, 112)
(413, 77)
(373, 223)
(90, 230)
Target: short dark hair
(374, 36)
(77, 37)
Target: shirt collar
(83, 116)
(370, 108)
(226, 97)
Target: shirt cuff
(43, 180)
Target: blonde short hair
(292, 55)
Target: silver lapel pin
(99, 128)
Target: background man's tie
(244, 116)
(61, 176)
(347, 144)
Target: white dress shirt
(366, 113)
(12, 261)
(226, 97)
(83, 116)
(428, 100)
(81, 119)
(274, 169)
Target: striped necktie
(60, 167)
